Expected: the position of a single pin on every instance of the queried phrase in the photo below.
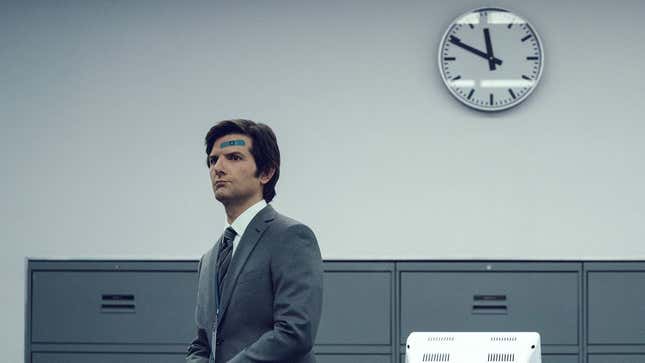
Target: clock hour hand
(456, 41)
(489, 49)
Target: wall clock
(491, 59)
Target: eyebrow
(226, 153)
(209, 158)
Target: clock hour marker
(449, 58)
(526, 37)
(511, 92)
(456, 78)
(491, 99)
(471, 26)
(470, 94)
(527, 78)
(510, 25)
(531, 58)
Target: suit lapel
(246, 245)
(207, 293)
(213, 262)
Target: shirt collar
(242, 221)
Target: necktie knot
(229, 235)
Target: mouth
(219, 183)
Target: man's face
(233, 169)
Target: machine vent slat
(507, 338)
(441, 339)
(501, 357)
(436, 357)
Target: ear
(266, 176)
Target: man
(259, 294)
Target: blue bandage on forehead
(232, 143)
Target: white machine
(473, 347)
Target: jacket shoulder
(283, 223)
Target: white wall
(104, 106)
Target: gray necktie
(224, 256)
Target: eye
(212, 160)
(234, 157)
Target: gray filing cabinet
(142, 311)
(615, 312)
(110, 311)
(107, 358)
(495, 296)
(357, 314)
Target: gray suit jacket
(270, 299)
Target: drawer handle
(115, 306)
(118, 303)
(490, 309)
(118, 297)
(489, 298)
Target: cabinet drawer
(559, 358)
(616, 358)
(107, 358)
(113, 307)
(356, 308)
(545, 302)
(616, 307)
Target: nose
(216, 168)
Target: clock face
(491, 59)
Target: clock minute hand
(456, 41)
(489, 49)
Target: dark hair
(264, 148)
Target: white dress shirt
(242, 221)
